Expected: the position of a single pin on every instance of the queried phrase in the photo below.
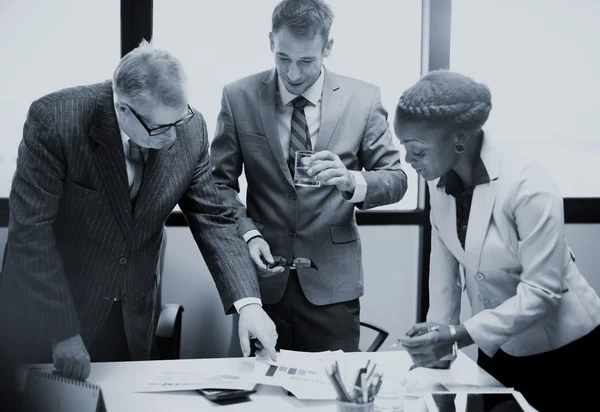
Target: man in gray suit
(99, 170)
(264, 119)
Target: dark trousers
(302, 326)
(110, 344)
(563, 379)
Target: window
(541, 60)
(219, 42)
(49, 46)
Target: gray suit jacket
(74, 243)
(526, 293)
(297, 221)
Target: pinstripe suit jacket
(74, 242)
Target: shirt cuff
(251, 233)
(239, 304)
(360, 188)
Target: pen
(363, 384)
(419, 333)
(358, 383)
(341, 392)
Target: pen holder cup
(355, 407)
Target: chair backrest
(168, 328)
(380, 336)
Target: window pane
(220, 42)
(541, 60)
(47, 46)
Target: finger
(85, 368)
(330, 174)
(244, 341)
(269, 346)
(67, 369)
(255, 255)
(324, 155)
(411, 342)
(321, 166)
(266, 253)
(259, 345)
(418, 328)
(77, 372)
(59, 362)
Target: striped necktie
(299, 136)
(136, 158)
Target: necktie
(136, 159)
(299, 136)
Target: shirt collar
(312, 94)
(453, 184)
(124, 137)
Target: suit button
(292, 232)
(293, 196)
(479, 276)
(123, 261)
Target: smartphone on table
(226, 395)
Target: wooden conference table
(116, 380)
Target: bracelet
(253, 237)
(455, 344)
(452, 355)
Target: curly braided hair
(446, 99)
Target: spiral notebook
(50, 392)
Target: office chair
(168, 328)
(381, 336)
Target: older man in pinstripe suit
(99, 169)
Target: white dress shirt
(312, 112)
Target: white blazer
(526, 293)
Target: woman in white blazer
(498, 232)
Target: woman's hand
(428, 342)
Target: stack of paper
(301, 373)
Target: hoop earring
(459, 148)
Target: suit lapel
(158, 168)
(482, 206)
(331, 106)
(268, 116)
(110, 159)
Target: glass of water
(301, 177)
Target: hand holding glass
(302, 164)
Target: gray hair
(147, 73)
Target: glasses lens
(184, 120)
(160, 130)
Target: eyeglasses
(299, 262)
(164, 127)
